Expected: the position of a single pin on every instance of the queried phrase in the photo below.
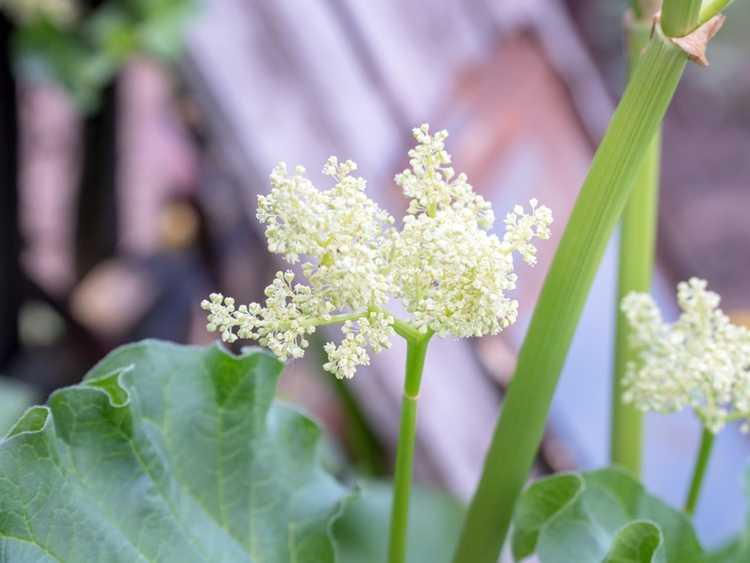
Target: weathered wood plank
(416, 47)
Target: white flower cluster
(451, 273)
(342, 234)
(60, 12)
(701, 361)
(448, 271)
(373, 330)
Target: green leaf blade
(608, 518)
(637, 542)
(541, 502)
(168, 453)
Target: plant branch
(710, 8)
(406, 330)
(598, 208)
(636, 260)
(680, 17)
(415, 356)
(337, 319)
(699, 471)
(645, 9)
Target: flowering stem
(680, 17)
(406, 330)
(415, 356)
(699, 471)
(338, 319)
(645, 9)
(598, 208)
(637, 238)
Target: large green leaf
(362, 531)
(603, 515)
(169, 454)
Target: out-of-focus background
(135, 136)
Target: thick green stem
(710, 8)
(598, 208)
(637, 240)
(645, 9)
(680, 17)
(699, 471)
(415, 356)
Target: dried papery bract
(695, 43)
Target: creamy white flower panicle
(341, 232)
(373, 330)
(342, 236)
(431, 183)
(701, 361)
(450, 273)
(522, 228)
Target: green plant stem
(645, 9)
(636, 260)
(680, 17)
(699, 471)
(710, 8)
(598, 208)
(416, 350)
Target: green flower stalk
(600, 204)
(636, 258)
(448, 271)
(415, 356)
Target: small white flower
(451, 274)
(701, 361)
(373, 330)
(340, 232)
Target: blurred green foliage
(84, 52)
